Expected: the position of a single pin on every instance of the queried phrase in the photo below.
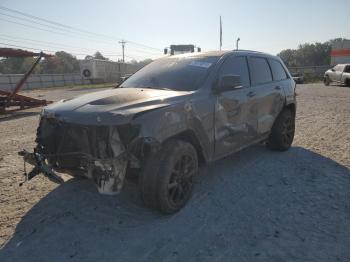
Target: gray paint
(220, 122)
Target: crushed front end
(93, 151)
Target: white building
(340, 52)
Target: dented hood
(112, 106)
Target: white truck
(180, 49)
(338, 74)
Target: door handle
(251, 94)
(277, 87)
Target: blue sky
(267, 26)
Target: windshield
(178, 73)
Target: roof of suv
(224, 52)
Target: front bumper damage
(96, 152)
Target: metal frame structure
(12, 101)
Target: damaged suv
(164, 120)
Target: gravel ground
(255, 205)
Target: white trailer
(104, 71)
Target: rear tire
(166, 181)
(326, 81)
(347, 82)
(282, 132)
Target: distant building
(340, 52)
(104, 71)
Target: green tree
(308, 55)
(98, 55)
(11, 65)
(288, 56)
(61, 63)
(27, 64)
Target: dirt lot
(256, 205)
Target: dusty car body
(338, 74)
(105, 134)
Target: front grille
(67, 145)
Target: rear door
(267, 91)
(338, 73)
(235, 123)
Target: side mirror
(229, 82)
(165, 51)
(333, 70)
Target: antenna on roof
(238, 39)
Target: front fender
(170, 121)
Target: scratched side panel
(269, 102)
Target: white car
(339, 74)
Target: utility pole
(123, 42)
(238, 39)
(220, 33)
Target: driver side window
(236, 65)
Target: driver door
(235, 117)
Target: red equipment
(11, 101)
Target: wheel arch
(190, 137)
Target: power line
(34, 22)
(21, 39)
(63, 46)
(54, 32)
(52, 51)
(65, 31)
(13, 22)
(67, 34)
(30, 26)
(32, 16)
(66, 27)
(73, 28)
(36, 49)
(61, 31)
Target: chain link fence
(310, 73)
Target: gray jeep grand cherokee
(164, 120)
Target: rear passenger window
(260, 71)
(278, 72)
(236, 65)
(347, 69)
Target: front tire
(326, 81)
(282, 132)
(167, 179)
